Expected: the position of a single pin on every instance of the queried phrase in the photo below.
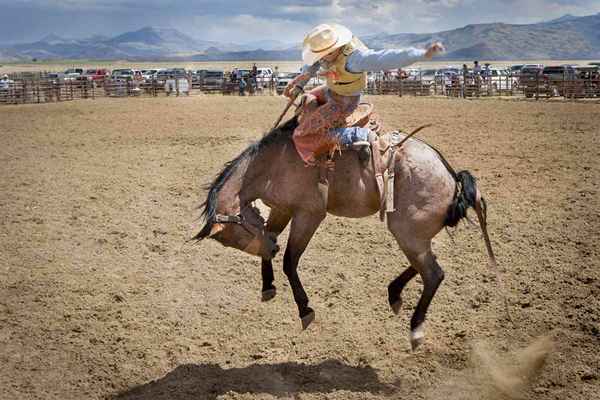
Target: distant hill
(567, 37)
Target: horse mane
(279, 134)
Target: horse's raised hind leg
(422, 261)
(395, 288)
(433, 275)
(304, 225)
(276, 223)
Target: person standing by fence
(465, 73)
(242, 87)
(5, 86)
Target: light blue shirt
(381, 60)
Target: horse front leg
(304, 225)
(278, 220)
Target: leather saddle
(364, 117)
(383, 151)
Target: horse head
(243, 231)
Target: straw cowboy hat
(324, 39)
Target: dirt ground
(100, 297)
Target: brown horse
(428, 195)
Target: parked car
(554, 78)
(211, 80)
(122, 73)
(263, 76)
(515, 70)
(530, 79)
(56, 77)
(97, 75)
(558, 72)
(163, 74)
(283, 79)
(531, 69)
(428, 74)
(148, 74)
(585, 84)
(178, 72)
(411, 74)
(73, 74)
(171, 73)
(498, 79)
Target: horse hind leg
(433, 275)
(396, 286)
(423, 262)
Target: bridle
(255, 244)
(238, 219)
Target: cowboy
(344, 61)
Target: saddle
(383, 151)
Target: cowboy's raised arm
(380, 60)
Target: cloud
(284, 20)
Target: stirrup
(363, 149)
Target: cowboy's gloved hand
(292, 90)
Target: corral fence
(42, 88)
(534, 86)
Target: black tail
(464, 197)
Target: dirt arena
(100, 297)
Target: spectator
(477, 73)
(476, 68)
(254, 70)
(487, 72)
(465, 73)
(4, 82)
(252, 85)
(242, 87)
(233, 75)
(239, 74)
(273, 82)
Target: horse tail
(468, 195)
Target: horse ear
(216, 228)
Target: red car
(96, 74)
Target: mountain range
(567, 37)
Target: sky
(245, 21)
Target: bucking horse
(428, 195)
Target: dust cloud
(496, 376)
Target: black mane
(277, 135)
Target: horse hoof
(268, 294)
(417, 336)
(396, 306)
(308, 319)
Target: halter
(238, 219)
(253, 247)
